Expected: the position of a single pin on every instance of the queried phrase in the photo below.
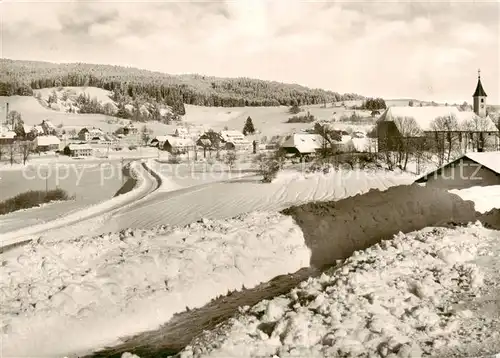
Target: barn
(175, 145)
(472, 169)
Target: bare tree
(230, 159)
(11, 152)
(478, 126)
(25, 148)
(406, 143)
(2, 151)
(446, 135)
(269, 164)
(13, 117)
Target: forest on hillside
(132, 84)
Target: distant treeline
(22, 77)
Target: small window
(482, 100)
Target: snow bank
(72, 295)
(141, 187)
(167, 184)
(416, 295)
(485, 198)
(334, 230)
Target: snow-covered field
(144, 186)
(70, 295)
(429, 293)
(88, 181)
(219, 200)
(268, 121)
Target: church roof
(479, 89)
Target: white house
(46, 143)
(48, 127)
(302, 143)
(177, 145)
(87, 134)
(7, 137)
(80, 150)
(181, 132)
(233, 139)
(37, 130)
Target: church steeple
(479, 97)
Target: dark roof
(479, 90)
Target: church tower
(479, 98)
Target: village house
(234, 140)
(47, 127)
(471, 169)
(434, 128)
(7, 137)
(46, 143)
(302, 143)
(176, 145)
(86, 134)
(181, 132)
(159, 141)
(36, 130)
(192, 131)
(80, 150)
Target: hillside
(22, 77)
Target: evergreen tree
(178, 108)
(248, 128)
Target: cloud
(389, 48)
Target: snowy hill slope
(429, 293)
(69, 100)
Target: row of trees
(16, 151)
(22, 77)
(446, 139)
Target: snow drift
(485, 198)
(66, 296)
(334, 230)
(427, 293)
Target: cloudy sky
(395, 49)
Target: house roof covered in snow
(75, 146)
(7, 135)
(231, 134)
(180, 142)
(48, 123)
(304, 143)
(425, 118)
(37, 129)
(181, 130)
(489, 160)
(47, 140)
(162, 138)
